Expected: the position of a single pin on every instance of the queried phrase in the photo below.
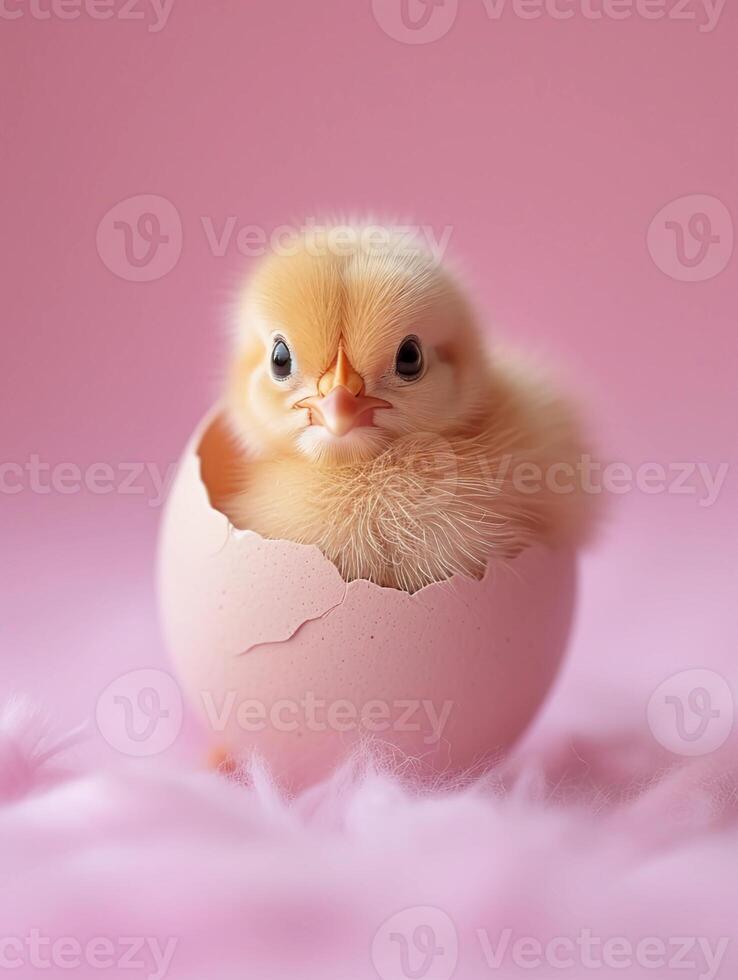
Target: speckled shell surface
(279, 655)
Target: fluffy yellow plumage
(374, 422)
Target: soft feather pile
(601, 853)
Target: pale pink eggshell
(279, 655)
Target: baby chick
(373, 421)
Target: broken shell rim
(194, 446)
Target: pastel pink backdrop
(547, 147)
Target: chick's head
(347, 344)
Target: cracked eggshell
(279, 655)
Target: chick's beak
(341, 404)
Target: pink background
(548, 146)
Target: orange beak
(341, 404)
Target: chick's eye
(281, 362)
(409, 359)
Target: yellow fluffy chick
(374, 422)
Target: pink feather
(217, 879)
